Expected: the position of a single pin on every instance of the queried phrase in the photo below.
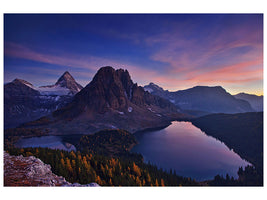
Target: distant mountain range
(111, 100)
(23, 102)
(255, 101)
(201, 100)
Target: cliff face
(31, 171)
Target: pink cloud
(183, 54)
(231, 73)
(66, 59)
(92, 63)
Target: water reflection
(52, 142)
(186, 149)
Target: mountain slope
(255, 101)
(202, 100)
(112, 100)
(23, 102)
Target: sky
(174, 51)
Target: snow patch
(158, 115)
(125, 94)
(130, 109)
(57, 98)
(150, 109)
(29, 85)
(54, 90)
(148, 89)
(131, 91)
(121, 113)
(111, 126)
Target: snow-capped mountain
(66, 85)
(24, 102)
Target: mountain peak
(19, 87)
(66, 77)
(67, 81)
(108, 72)
(66, 73)
(21, 81)
(218, 89)
(108, 75)
(65, 85)
(152, 87)
(209, 87)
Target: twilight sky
(174, 51)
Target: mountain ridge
(255, 100)
(201, 100)
(112, 100)
(23, 102)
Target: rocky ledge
(31, 171)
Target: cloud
(189, 52)
(83, 66)
(223, 55)
(68, 60)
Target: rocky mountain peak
(154, 87)
(67, 81)
(109, 88)
(21, 81)
(65, 85)
(106, 75)
(65, 77)
(19, 87)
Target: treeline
(108, 142)
(12, 135)
(246, 177)
(106, 171)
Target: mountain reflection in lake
(187, 150)
(52, 142)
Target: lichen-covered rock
(31, 171)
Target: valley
(152, 131)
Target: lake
(52, 142)
(189, 151)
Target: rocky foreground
(31, 171)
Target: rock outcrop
(31, 171)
